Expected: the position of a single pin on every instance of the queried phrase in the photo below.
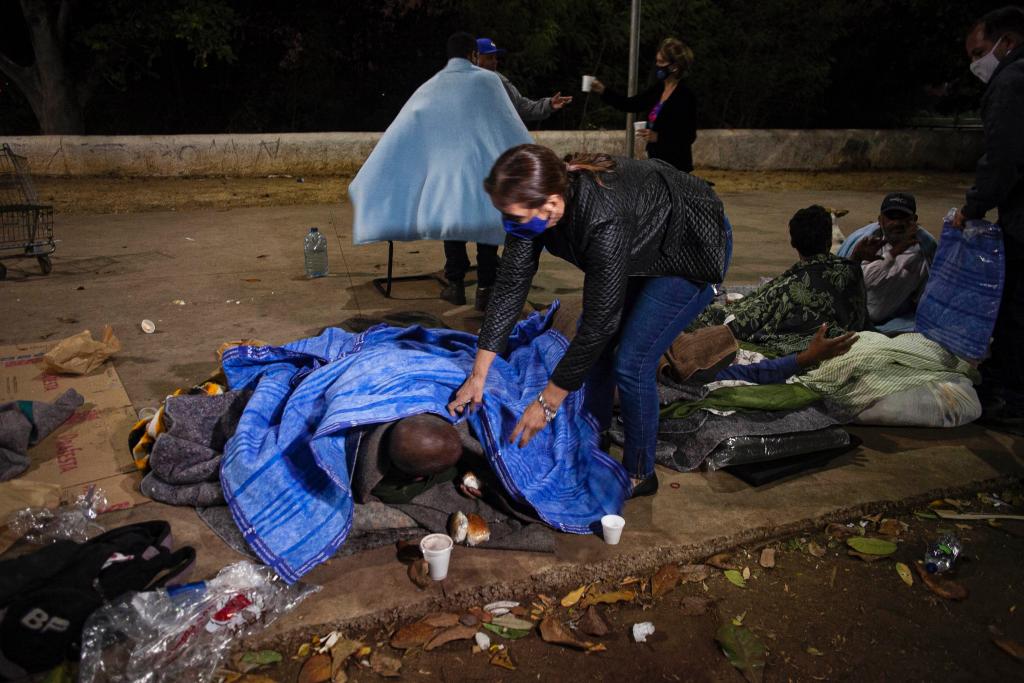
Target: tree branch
(63, 20)
(23, 77)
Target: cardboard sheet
(92, 446)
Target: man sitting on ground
(895, 254)
(782, 315)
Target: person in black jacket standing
(650, 241)
(995, 46)
(670, 105)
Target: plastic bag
(184, 632)
(743, 450)
(961, 300)
(75, 522)
(937, 404)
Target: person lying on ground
(895, 254)
(783, 314)
(422, 451)
(649, 264)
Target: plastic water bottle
(315, 248)
(941, 554)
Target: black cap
(902, 202)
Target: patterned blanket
(286, 471)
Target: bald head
(423, 445)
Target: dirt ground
(820, 613)
(94, 195)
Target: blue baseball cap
(486, 46)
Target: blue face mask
(528, 230)
(662, 73)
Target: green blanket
(753, 397)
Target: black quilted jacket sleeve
(519, 263)
(604, 261)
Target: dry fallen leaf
(767, 559)
(503, 658)
(441, 619)
(814, 652)
(1010, 647)
(943, 587)
(904, 572)
(574, 596)
(413, 635)
(340, 652)
(876, 518)
(608, 598)
(419, 573)
(695, 606)
(721, 561)
(317, 669)
(385, 665)
(458, 632)
(746, 573)
(593, 624)
(695, 573)
(840, 531)
(892, 527)
(665, 580)
(554, 631)
(815, 549)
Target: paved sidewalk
(239, 273)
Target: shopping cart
(26, 226)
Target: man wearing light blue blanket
(422, 180)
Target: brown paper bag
(81, 354)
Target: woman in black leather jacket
(650, 241)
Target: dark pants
(456, 262)
(1004, 370)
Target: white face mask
(986, 66)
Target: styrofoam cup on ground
(437, 551)
(588, 81)
(611, 528)
(639, 125)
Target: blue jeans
(657, 310)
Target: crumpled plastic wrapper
(75, 522)
(81, 354)
(183, 633)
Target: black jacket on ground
(676, 124)
(999, 179)
(648, 220)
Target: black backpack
(46, 596)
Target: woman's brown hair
(677, 52)
(529, 174)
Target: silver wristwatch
(549, 414)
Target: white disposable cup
(611, 528)
(588, 81)
(437, 551)
(639, 125)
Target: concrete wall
(343, 153)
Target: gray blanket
(26, 423)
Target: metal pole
(634, 59)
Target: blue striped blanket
(286, 470)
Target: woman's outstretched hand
(470, 395)
(533, 418)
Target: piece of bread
(458, 527)
(478, 531)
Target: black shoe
(455, 293)
(647, 487)
(483, 297)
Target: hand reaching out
(821, 348)
(558, 100)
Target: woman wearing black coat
(670, 105)
(649, 239)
